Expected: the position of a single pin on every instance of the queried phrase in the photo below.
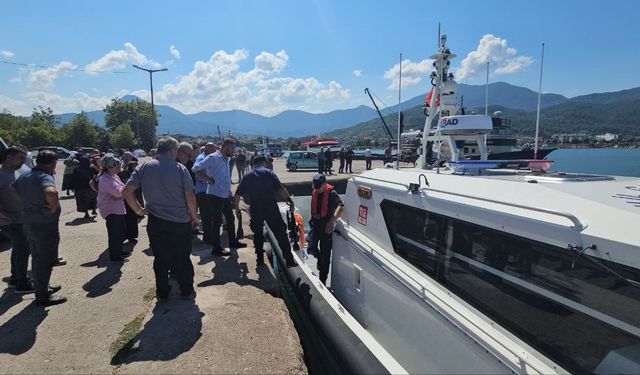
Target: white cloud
(174, 51)
(7, 54)
(44, 78)
(357, 73)
(118, 59)
(502, 58)
(220, 84)
(412, 73)
(80, 101)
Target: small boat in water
(463, 266)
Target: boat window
(576, 315)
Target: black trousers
(341, 169)
(221, 206)
(171, 244)
(328, 165)
(271, 215)
(116, 228)
(43, 243)
(19, 251)
(347, 167)
(367, 163)
(320, 166)
(317, 236)
(205, 216)
(131, 223)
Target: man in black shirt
(261, 189)
(326, 208)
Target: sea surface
(610, 161)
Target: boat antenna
(398, 152)
(535, 148)
(486, 93)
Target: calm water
(611, 161)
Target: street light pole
(153, 108)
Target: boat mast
(399, 114)
(436, 81)
(486, 93)
(535, 148)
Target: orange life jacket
(324, 208)
(300, 226)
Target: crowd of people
(182, 190)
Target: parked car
(139, 153)
(87, 150)
(302, 160)
(62, 152)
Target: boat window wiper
(579, 251)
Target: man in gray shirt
(40, 216)
(167, 189)
(11, 219)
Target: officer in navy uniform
(262, 189)
(326, 208)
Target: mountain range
(502, 95)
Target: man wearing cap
(201, 195)
(40, 216)
(215, 170)
(171, 204)
(326, 208)
(261, 189)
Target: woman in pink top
(111, 205)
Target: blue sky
(269, 56)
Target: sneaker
(25, 288)
(237, 245)
(60, 262)
(53, 289)
(50, 300)
(11, 281)
(220, 252)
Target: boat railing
(578, 226)
(406, 186)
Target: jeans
(171, 244)
(19, 251)
(205, 216)
(321, 166)
(116, 228)
(270, 214)
(221, 206)
(341, 169)
(368, 162)
(43, 242)
(240, 168)
(347, 167)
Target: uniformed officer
(261, 189)
(326, 208)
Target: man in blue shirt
(261, 189)
(201, 195)
(215, 170)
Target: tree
(81, 131)
(138, 114)
(122, 137)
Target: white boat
(479, 266)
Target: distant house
(571, 138)
(608, 137)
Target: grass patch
(150, 295)
(127, 334)
(124, 342)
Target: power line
(68, 69)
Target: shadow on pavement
(103, 282)
(80, 221)
(229, 270)
(5, 244)
(19, 333)
(8, 299)
(174, 328)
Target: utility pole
(153, 108)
